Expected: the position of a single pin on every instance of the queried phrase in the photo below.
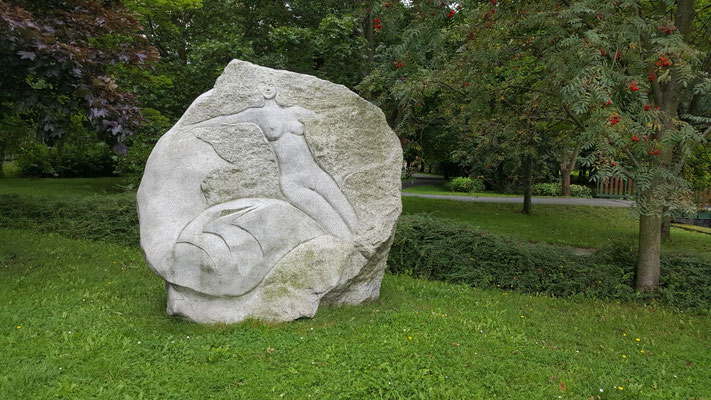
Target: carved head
(268, 91)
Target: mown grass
(440, 189)
(578, 226)
(84, 319)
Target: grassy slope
(85, 319)
(580, 226)
(439, 189)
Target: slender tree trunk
(666, 226)
(367, 25)
(565, 189)
(650, 228)
(567, 166)
(527, 184)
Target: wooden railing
(620, 188)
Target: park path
(572, 201)
(420, 179)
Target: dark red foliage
(68, 48)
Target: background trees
(56, 59)
(512, 92)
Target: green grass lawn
(440, 189)
(579, 226)
(84, 319)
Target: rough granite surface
(275, 192)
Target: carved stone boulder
(275, 192)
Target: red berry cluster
(376, 24)
(614, 119)
(633, 86)
(398, 64)
(647, 107)
(603, 52)
(451, 13)
(607, 103)
(663, 61)
(493, 2)
(635, 139)
(618, 55)
(668, 29)
(654, 152)
(466, 84)
(651, 77)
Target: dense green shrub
(441, 249)
(88, 160)
(465, 185)
(580, 191)
(553, 189)
(424, 247)
(85, 161)
(35, 160)
(546, 189)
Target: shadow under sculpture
(246, 238)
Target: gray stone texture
(274, 193)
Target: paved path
(573, 201)
(422, 179)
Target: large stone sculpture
(274, 192)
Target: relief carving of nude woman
(303, 182)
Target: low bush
(553, 189)
(465, 185)
(546, 189)
(581, 191)
(35, 160)
(434, 248)
(72, 161)
(424, 247)
(107, 218)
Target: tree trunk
(567, 166)
(650, 228)
(565, 189)
(367, 25)
(666, 226)
(527, 184)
